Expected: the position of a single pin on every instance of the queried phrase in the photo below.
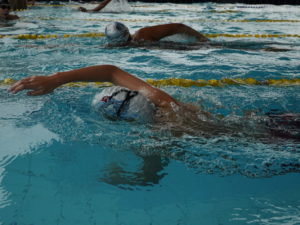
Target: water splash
(117, 6)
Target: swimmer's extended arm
(155, 33)
(104, 73)
(98, 8)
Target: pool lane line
(157, 10)
(187, 8)
(189, 83)
(223, 82)
(93, 35)
(60, 5)
(148, 6)
(167, 21)
(47, 36)
(252, 35)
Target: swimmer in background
(4, 12)
(118, 34)
(98, 8)
(133, 99)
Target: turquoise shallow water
(60, 163)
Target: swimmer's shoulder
(159, 98)
(144, 34)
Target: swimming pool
(61, 163)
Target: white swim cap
(121, 103)
(117, 32)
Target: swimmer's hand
(82, 9)
(39, 85)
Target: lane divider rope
(135, 6)
(222, 82)
(166, 21)
(148, 6)
(188, 82)
(46, 36)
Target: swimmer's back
(156, 33)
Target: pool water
(62, 163)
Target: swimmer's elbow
(161, 99)
(116, 75)
(180, 26)
(111, 68)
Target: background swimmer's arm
(155, 33)
(104, 73)
(32, 2)
(98, 8)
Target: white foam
(117, 6)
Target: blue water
(62, 163)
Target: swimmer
(134, 99)
(98, 8)
(118, 33)
(4, 12)
(132, 95)
(103, 73)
